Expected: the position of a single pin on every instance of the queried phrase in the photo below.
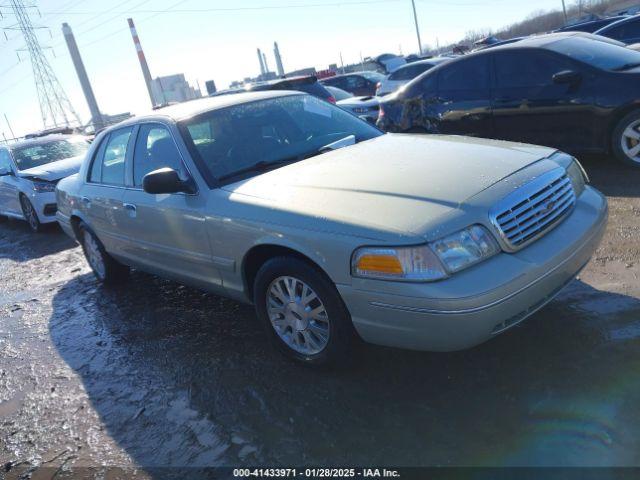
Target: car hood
(55, 170)
(392, 184)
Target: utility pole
(415, 19)
(9, 125)
(96, 116)
(55, 107)
(564, 10)
(341, 63)
(143, 61)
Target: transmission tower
(55, 106)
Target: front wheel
(30, 214)
(302, 312)
(626, 139)
(104, 266)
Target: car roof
(192, 108)
(429, 61)
(624, 21)
(542, 41)
(41, 140)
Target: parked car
(592, 25)
(29, 171)
(389, 63)
(405, 74)
(360, 84)
(329, 226)
(566, 90)
(365, 107)
(307, 84)
(626, 30)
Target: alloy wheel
(94, 255)
(630, 141)
(298, 315)
(30, 214)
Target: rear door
(167, 232)
(101, 195)
(464, 98)
(530, 107)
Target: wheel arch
(259, 254)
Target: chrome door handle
(131, 209)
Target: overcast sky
(220, 43)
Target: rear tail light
(331, 99)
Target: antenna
(55, 107)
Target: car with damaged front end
(330, 227)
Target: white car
(366, 108)
(406, 73)
(29, 172)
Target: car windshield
(603, 55)
(232, 141)
(38, 154)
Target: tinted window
(373, 76)
(114, 157)
(624, 32)
(96, 166)
(409, 72)
(527, 68)
(155, 149)
(599, 54)
(471, 73)
(274, 130)
(42, 153)
(355, 82)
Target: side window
(428, 84)
(155, 149)
(471, 73)
(96, 165)
(527, 69)
(114, 157)
(410, 72)
(356, 82)
(5, 161)
(617, 33)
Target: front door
(9, 200)
(166, 232)
(530, 107)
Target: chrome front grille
(533, 209)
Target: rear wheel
(30, 214)
(626, 139)
(104, 266)
(302, 312)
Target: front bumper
(474, 305)
(45, 205)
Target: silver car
(29, 171)
(331, 227)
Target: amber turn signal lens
(380, 264)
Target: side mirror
(166, 180)
(567, 77)
(5, 171)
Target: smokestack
(262, 70)
(266, 67)
(143, 61)
(96, 116)
(276, 53)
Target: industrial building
(172, 89)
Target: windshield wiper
(263, 166)
(627, 66)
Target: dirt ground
(154, 374)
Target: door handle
(131, 209)
(86, 201)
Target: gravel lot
(154, 374)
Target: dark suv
(362, 84)
(307, 84)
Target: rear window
(603, 55)
(410, 72)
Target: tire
(320, 339)
(626, 139)
(106, 269)
(30, 214)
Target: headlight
(43, 187)
(578, 177)
(426, 262)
